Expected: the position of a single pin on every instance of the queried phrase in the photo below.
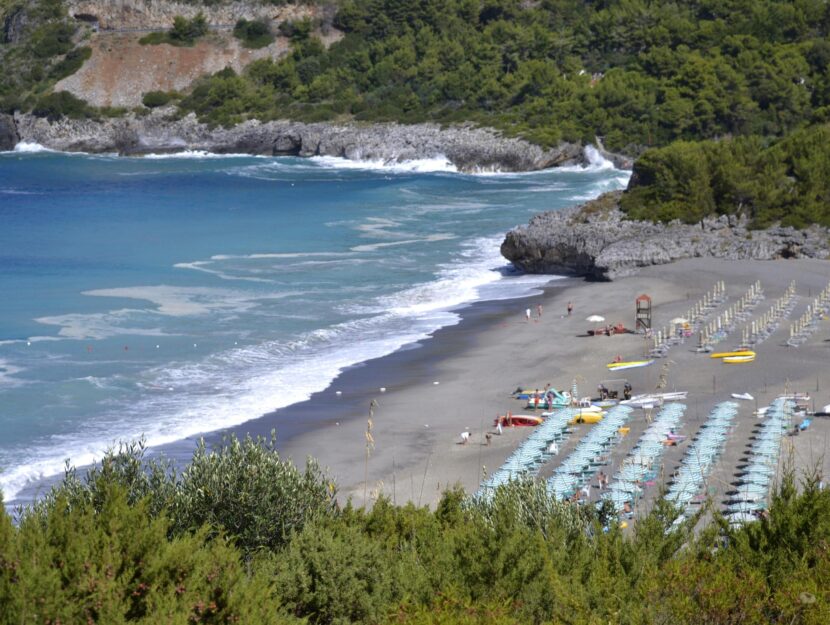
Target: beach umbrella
(595, 319)
(677, 320)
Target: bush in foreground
(128, 543)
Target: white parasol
(678, 320)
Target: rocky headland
(468, 148)
(595, 240)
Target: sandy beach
(462, 378)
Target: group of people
(605, 393)
(528, 313)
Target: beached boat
(586, 417)
(631, 364)
(738, 360)
(737, 353)
(654, 399)
(520, 420)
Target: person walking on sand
(527, 314)
(539, 311)
(570, 308)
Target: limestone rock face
(595, 240)
(8, 133)
(14, 25)
(159, 14)
(468, 149)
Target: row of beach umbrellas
(533, 452)
(701, 455)
(580, 465)
(756, 476)
(641, 463)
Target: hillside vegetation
(739, 75)
(639, 74)
(244, 537)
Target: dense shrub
(153, 99)
(253, 33)
(51, 39)
(71, 63)
(787, 181)
(132, 541)
(184, 32)
(61, 104)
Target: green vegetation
(253, 33)
(60, 104)
(37, 49)
(242, 536)
(637, 73)
(184, 32)
(154, 99)
(787, 181)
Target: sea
(165, 296)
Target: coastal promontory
(598, 240)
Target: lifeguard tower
(643, 313)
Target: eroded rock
(596, 241)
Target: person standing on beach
(527, 314)
(539, 310)
(570, 308)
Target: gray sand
(416, 427)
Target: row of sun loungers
(809, 322)
(762, 464)
(757, 332)
(719, 328)
(665, 338)
(642, 464)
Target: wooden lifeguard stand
(643, 315)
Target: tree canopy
(131, 542)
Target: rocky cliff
(469, 149)
(595, 240)
(8, 133)
(120, 70)
(159, 14)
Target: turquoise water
(169, 296)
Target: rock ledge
(596, 241)
(468, 148)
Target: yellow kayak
(738, 360)
(631, 364)
(586, 417)
(743, 352)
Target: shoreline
(481, 359)
(470, 149)
(480, 363)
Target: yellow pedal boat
(740, 352)
(738, 360)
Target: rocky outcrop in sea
(595, 240)
(468, 148)
(8, 133)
